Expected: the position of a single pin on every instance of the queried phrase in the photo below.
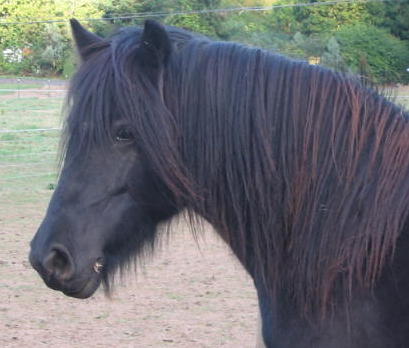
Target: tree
(318, 19)
(299, 31)
(382, 55)
(45, 45)
(203, 23)
(332, 56)
(396, 18)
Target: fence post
(18, 87)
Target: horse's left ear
(85, 41)
(155, 46)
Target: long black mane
(296, 166)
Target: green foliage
(349, 36)
(395, 17)
(332, 56)
(53, 50)
(243, 26)
(69, 65)
(322, 19)
(377, 53)
(207, 24)
(202, 23)
(41, 47)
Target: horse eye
(124, 135)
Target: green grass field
(28, 155)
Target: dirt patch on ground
(189, 295)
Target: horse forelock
(93, 93)
(109, 87)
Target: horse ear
(84, 39)
(155, 44)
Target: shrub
(381, 56)
(69, 65)
(332, 56)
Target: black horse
(302, 171)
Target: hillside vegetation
(370, 38)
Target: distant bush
(69, 65)
(44, 56)
(332, 56)
(374, 52)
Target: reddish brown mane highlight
(304, 171)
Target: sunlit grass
(28, 162)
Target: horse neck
(217, 93)
(277, 149)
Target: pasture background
(189, 295)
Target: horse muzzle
(59, 272)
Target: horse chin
(86, 291)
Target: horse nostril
(59, 263)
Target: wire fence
(30, 131)
(143, 15)
(30, 127)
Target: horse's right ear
(84, 39)
(155, 44)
